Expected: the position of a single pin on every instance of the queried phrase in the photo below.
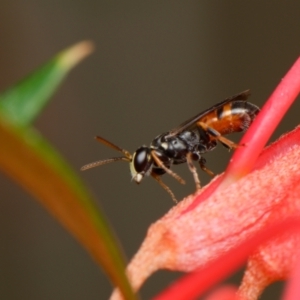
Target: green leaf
(22, 103)
(28, 158)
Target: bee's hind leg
(217, 135)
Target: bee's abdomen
(234, 116)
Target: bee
(187, 142)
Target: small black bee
(187, 142)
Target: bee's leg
(226, 146)
(193, 169)
(217, 135)
(202, 163)
(164, 186)
(167, 170)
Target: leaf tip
(76, 53)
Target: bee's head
(141, 163)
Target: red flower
(251, 209)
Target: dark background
(156, 64)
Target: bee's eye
(141, 160)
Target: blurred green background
(156, 64)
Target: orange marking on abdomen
(225, 119)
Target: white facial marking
(132, 170)
(138, 178)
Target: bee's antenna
(128, 156)
(103, 162)
(113, 146)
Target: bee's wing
(192, 122)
